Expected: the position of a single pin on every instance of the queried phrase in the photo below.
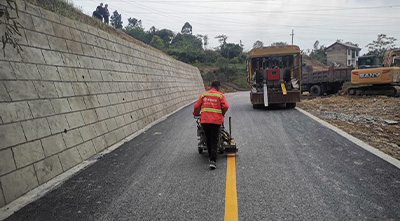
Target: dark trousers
(212, 136)
(106, 20)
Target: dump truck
(274, 75)
(323, 82)
(384, 80)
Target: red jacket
(213, 106)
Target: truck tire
(315, 90)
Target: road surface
(288, 167)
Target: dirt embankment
(372, 119)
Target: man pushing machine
(213, 105)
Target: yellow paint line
(231, 207)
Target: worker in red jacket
(213, 106)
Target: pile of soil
(317, 66)
(372, 119)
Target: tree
(205, 40)
(258, 44)
(137, 33)
(134, 23)
(231, 50)
(280, 43)
(116, 20)
(382, 44)
(222, 39)
(11, 25)
(186, 29)
(157, 42)
(318, 53)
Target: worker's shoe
(213, 165)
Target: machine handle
(230, 130)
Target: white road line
(357, 141)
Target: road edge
(355, 140)
(57, 181)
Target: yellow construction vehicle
(383, 80)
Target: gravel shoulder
(372, 119)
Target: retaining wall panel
(7, 163)
(53, 145)
(28, 153)
(48, 169)
(18, 182)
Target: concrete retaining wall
(74, 91)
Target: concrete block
(95, 75)
(100, 127)
(127, 130)
(62, 31)
(4, 96)
(113, 98)
(86, 62)
(71, 60)
(41, 108)
(112, 111)
(94, 88)
(48, 169)
(11, 134)
(53, 57)
(76, 103)
(25, 20)
(106, 74)
(53, 144)
(35, 129)
(120, 121)
(15, 111)
(88, 50)
(49, 73)
(42, 25)
(58, 124)
(7, 163)
(67, 74)
(74, 47)
(110, 138)
(121, 109)
(100, 52)
(86, 150)
(21, 90)
(2, 199)
(105, 87)
(120, 134)
(77, 35)
(18, 182)
(81, 27)
(6, 71)
(91, 101)
(32, 55)
(68, 22)
(91, 38)
(10, 54)
(28, 153)
(111, 124)
(72, 138)
(102, 113)
(36, 39)
(98, 63)
(99, 143)
(69, 158)
(89, 116)
(46, 89)
(60, 105)
(134, 126)
(50, 15)
(82, 74)
(58, 44)
(75, 119)
(88, 132)
(80, 88)
(103, 99)
(26, 71)
(64, 89)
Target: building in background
(345, 55)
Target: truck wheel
(315, 90)
(200, 150)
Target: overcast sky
(357, 21)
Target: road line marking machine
(225, 142)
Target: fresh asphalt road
(288, 167)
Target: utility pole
(292, 36)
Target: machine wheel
(200, 150)
(315, 90)
(256, 106)
(352, 91)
